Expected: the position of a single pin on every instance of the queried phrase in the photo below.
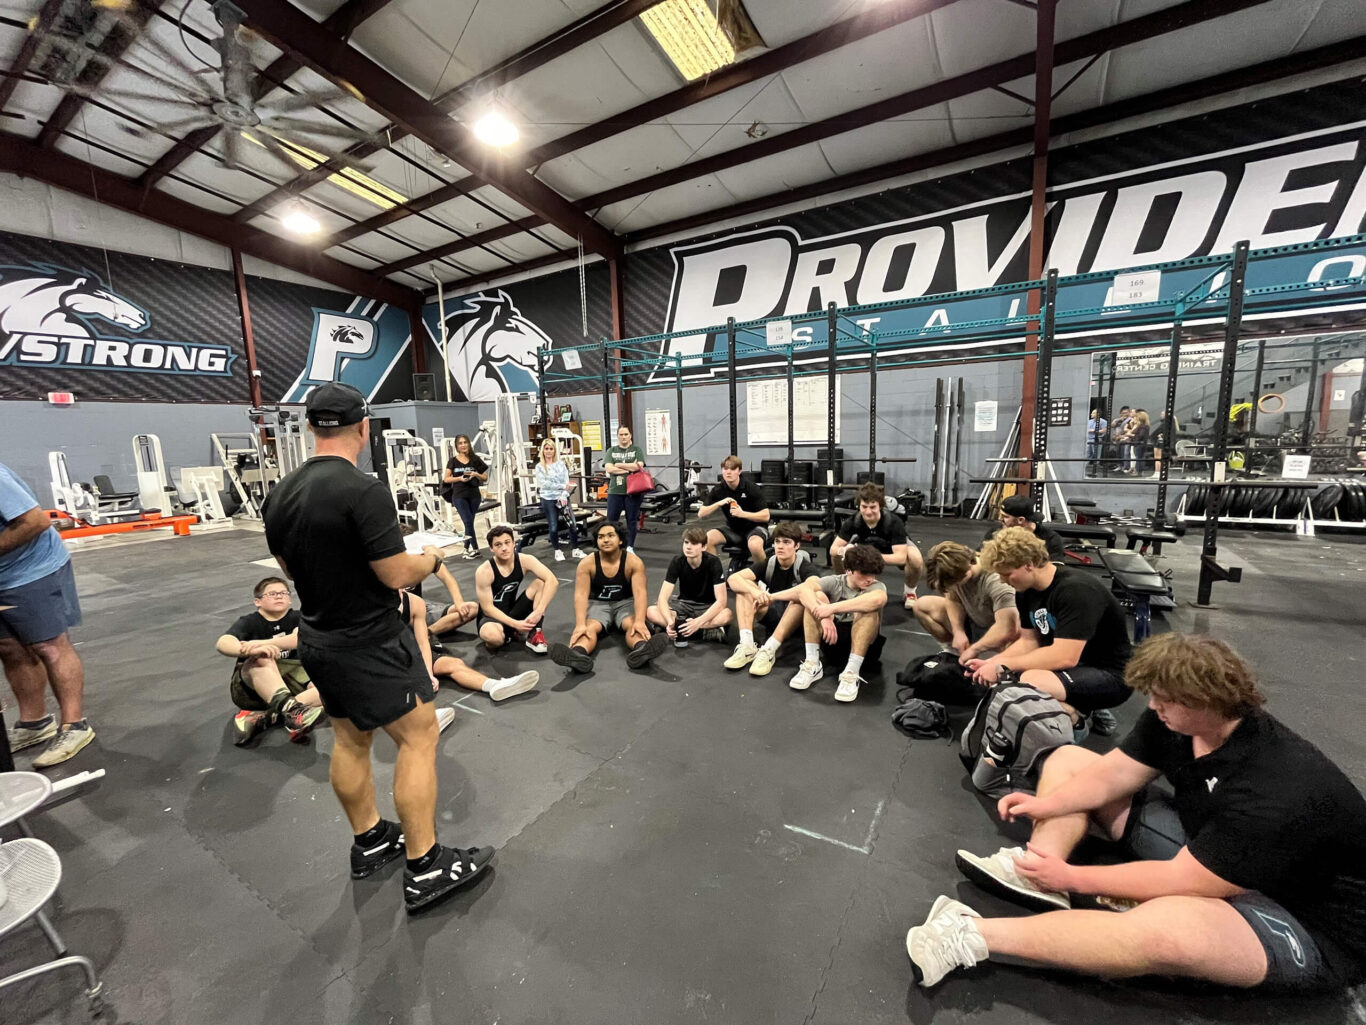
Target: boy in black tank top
(609, 591)
(506, 611)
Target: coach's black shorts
(370, 686)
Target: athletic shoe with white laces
(807, 674)
(444, 717)
(471, 553)
(998, 874)
(246, 725)
(451, 869)
(559, 555)
(763, 662)
(512, 685)
(742, 656)
(948, 939)
(578, 553)
(537, 642)
(22, 735)
(70, 739)
(848, 688)
(299, 719)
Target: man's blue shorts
(43, 609)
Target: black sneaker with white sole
(368, 860)
(453, 868)
(647, 651)
(574, 658)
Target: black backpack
(939, 677)
(1014, 727)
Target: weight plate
(1264, 502)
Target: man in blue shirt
(37, 584)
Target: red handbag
(638, 482)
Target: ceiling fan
(223, 97)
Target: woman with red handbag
(624, 461)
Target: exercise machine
(256, 460)
(96, 506)
(414, 478)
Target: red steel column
(1043, 102)
(244, 309)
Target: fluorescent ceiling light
(689, 35)
(495, 130)
(358, 183)
(301, 222)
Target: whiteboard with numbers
(766, 411)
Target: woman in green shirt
(622, 459)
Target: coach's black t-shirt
(1050, 537)
(1078, 607)
(327, 522)
(256, 627)
(889, 530)
(695, 585)
(750, 498)
(1268, 811)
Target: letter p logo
(337, 339)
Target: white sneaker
(997, 874)
(807, 674)
(949, 939)
(763, 662)
(742, 656)
(559, 555)
(513, 685)
(848, 688)
(444, 717)
(578, 553)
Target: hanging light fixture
(493, 129)
(299, 221)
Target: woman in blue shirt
(552, 484)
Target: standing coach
(333, 530)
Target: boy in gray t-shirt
(842, 620)
(975, 611)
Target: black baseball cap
(1020, 505)
(335, 405)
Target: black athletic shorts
(521, 608)
(370, 686)
(1089, 688)
(1294, 961)
(735, 540)
(837, 654)
(773, 616)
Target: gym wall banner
(493, 335)
(1189, 188)
(111, 326)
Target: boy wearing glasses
(269, 683)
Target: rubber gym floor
(680, 845)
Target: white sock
(747, 637)
(855, 664)
(813, 652)
(489, 684)
(773, 644)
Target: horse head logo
(61, 303)
(486, 333)
(346, 335)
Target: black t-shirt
(1268, 811)
(256, 627)
(328, 521)
(695, 585)
(1078, 607)
(889, 530)
(465, 489)
(1050, 537)
(802, 568)
(749, 496)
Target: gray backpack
(1013, 727)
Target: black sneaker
(454, 867)
(366, 861)
(1104, 723)
(647, 651)
(572, 658)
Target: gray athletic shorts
(1294, 961)
(688, 609)
(611, 614)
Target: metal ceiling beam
(296, 33)
(29, 49)
(27, 159)
(343, 21)
(1162, 99)
(1136, 30)
(572, 36)
(877, 19)
(482, 238)
(114, 46)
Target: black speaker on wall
(424, 387)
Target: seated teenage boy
(506, 611)
(610, 591)
(841, 620)
(269, 684)
(1073, 641)
(443, 617)
(440, 662)
(743, 505)
(754, 587)
(885, 531)
(1252, 875)
(1018, 511)
(976, 614)
(693, 601)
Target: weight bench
(1142, 585)
(1090, 532)
(1141, 539)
